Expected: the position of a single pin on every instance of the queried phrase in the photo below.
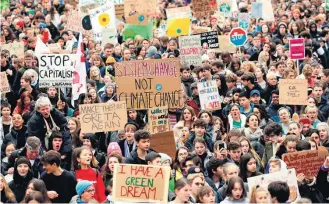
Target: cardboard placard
(140, 19)
(149, 83)
(135, 7)
(56, 70)
(140, 183)
(267, 13)
(14, 48)
(209, 40)
(209, 97)
(288, 176)
(203, 8)
(190, 50)
(119, 10)
(293, 91)
(55, 49)
(256, 9)
(158, 119)
(178, 27)
(74, 23)
(102, 117)
(297, 49)
(224, 6)
(4, 88)
(101, 18)
(109, 36)
(131, 30)
(225, 45)
(244, 20)
(4, 4)
(327, 5)
(164, 142)
(198, 30)
(179, 12)
(307, 162)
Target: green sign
(224, 8)
(131, 30)
(327, 5)
(4, 4)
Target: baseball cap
(254, 92)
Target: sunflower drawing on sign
(104, 19)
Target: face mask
(34, 83)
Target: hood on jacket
(18, 179)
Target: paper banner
(164, 142)
(4, 88)
(109, 36)
(297, 48)
(131, 30)
(203, 8)
(199, 29)
(288, 176)
(56, 70)
(14, 48)
(140, 183)
(268, 10)
(190, 50)
(179, 12)
(139, 19)
(209, 97)
(256, 9)
(225, 45)
(103, 117)
(158, 119)
(244, 20)
(293, 91)
(78, 24)
(178, 27)
(224, 6)
(135, 7)
(209, 40)
(119, 11)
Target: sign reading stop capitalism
(297, 49)
(238, 36)
(149, 83)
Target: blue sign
(238, 36)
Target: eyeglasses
(198, 184)
(90, 191)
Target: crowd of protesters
(45, 158)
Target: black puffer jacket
(134, 159)
(16, 137)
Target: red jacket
(90, 175)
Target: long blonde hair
(8, 192)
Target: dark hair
(209, 114)
(311, 131)
(35, 195)
(204, 190)
(106, 169)
(249, 116)
(244, 94)
(273, 128)
(230, 186)
(176, 164)
(213, 164)
(193, 157)
(51, 157)
(303, 145)
(150, 157)
(279, 190)
(199, 140)
(199, 123)
(244, 173)
(142, 134)
(263, 112)
(233, 145)
(181, 183)
(5, 105)
(248, 77)
(218, 64)
(39, 186)
(185, 67)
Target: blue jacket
(206, 137)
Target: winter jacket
(256, 87)
(228, 200)
(324, 107)
(268, 92)
(322, 182)
(187, 83)
(1, 129)
(207, 137)
(230, 121)
(16, 137)
(134, 159)
(272, 111)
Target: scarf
(126, 147)
(49, 131)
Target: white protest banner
(109, 36)
(15, 48)
(158, 119)
(4, 85)
(56, 70)
(179, 12)
(190, 50)
(288, 176)
(102, 117)
(102, 17)
(209, 97)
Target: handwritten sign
(293, 91)
(179, 12)
(135, 7)
(327, 5)
(149, 83)
(4, 88)
(288, 176)
(158, 119)
(267, 13)
(209, 40)
(256, 9)
(140, 183)
(297, 48)
(224, 6)
(164, 142)
(56, 70)
(74, 23)
(225, 44)
(190, 50)
(209, 97)
(178, 27)
(102, 117)
(109, 36)
(14, 48)
(244, 20)
(307, 162)
(131, 30)
(139, 19)
(203, 8)
(119, 10)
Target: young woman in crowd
(236, 192)
(182, 191)
(7, 195)
(24, 103)
(196, 181)
(248, 167)
(259, 195)
(186, 120)
(108, 169)
(36, 185)
(206, 195)
(177, 166)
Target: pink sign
(297, 48)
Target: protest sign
(209, 40)
(119, 10)
(224, 6)
(178, 27)
(74, 23)
(203, 8)
(293, 91)
(190, 50)
(102, 17)
(288, 176)
(327, 5)
(139, 19)
(56, 49)
(209, 97)
(307, 162)
(199, 29)
(109, 36)
(267, 13)
(179, 12)
(158, 119)
(135, 7)
(56, 70)
(244, 20)
(4, 88)
(297, 48)
(4, 5)
(164, 142)
(256, 9)
(149, 83)
(102, 117)
(225, 44)
(140, 183)
(131, 30)
(14, 48)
